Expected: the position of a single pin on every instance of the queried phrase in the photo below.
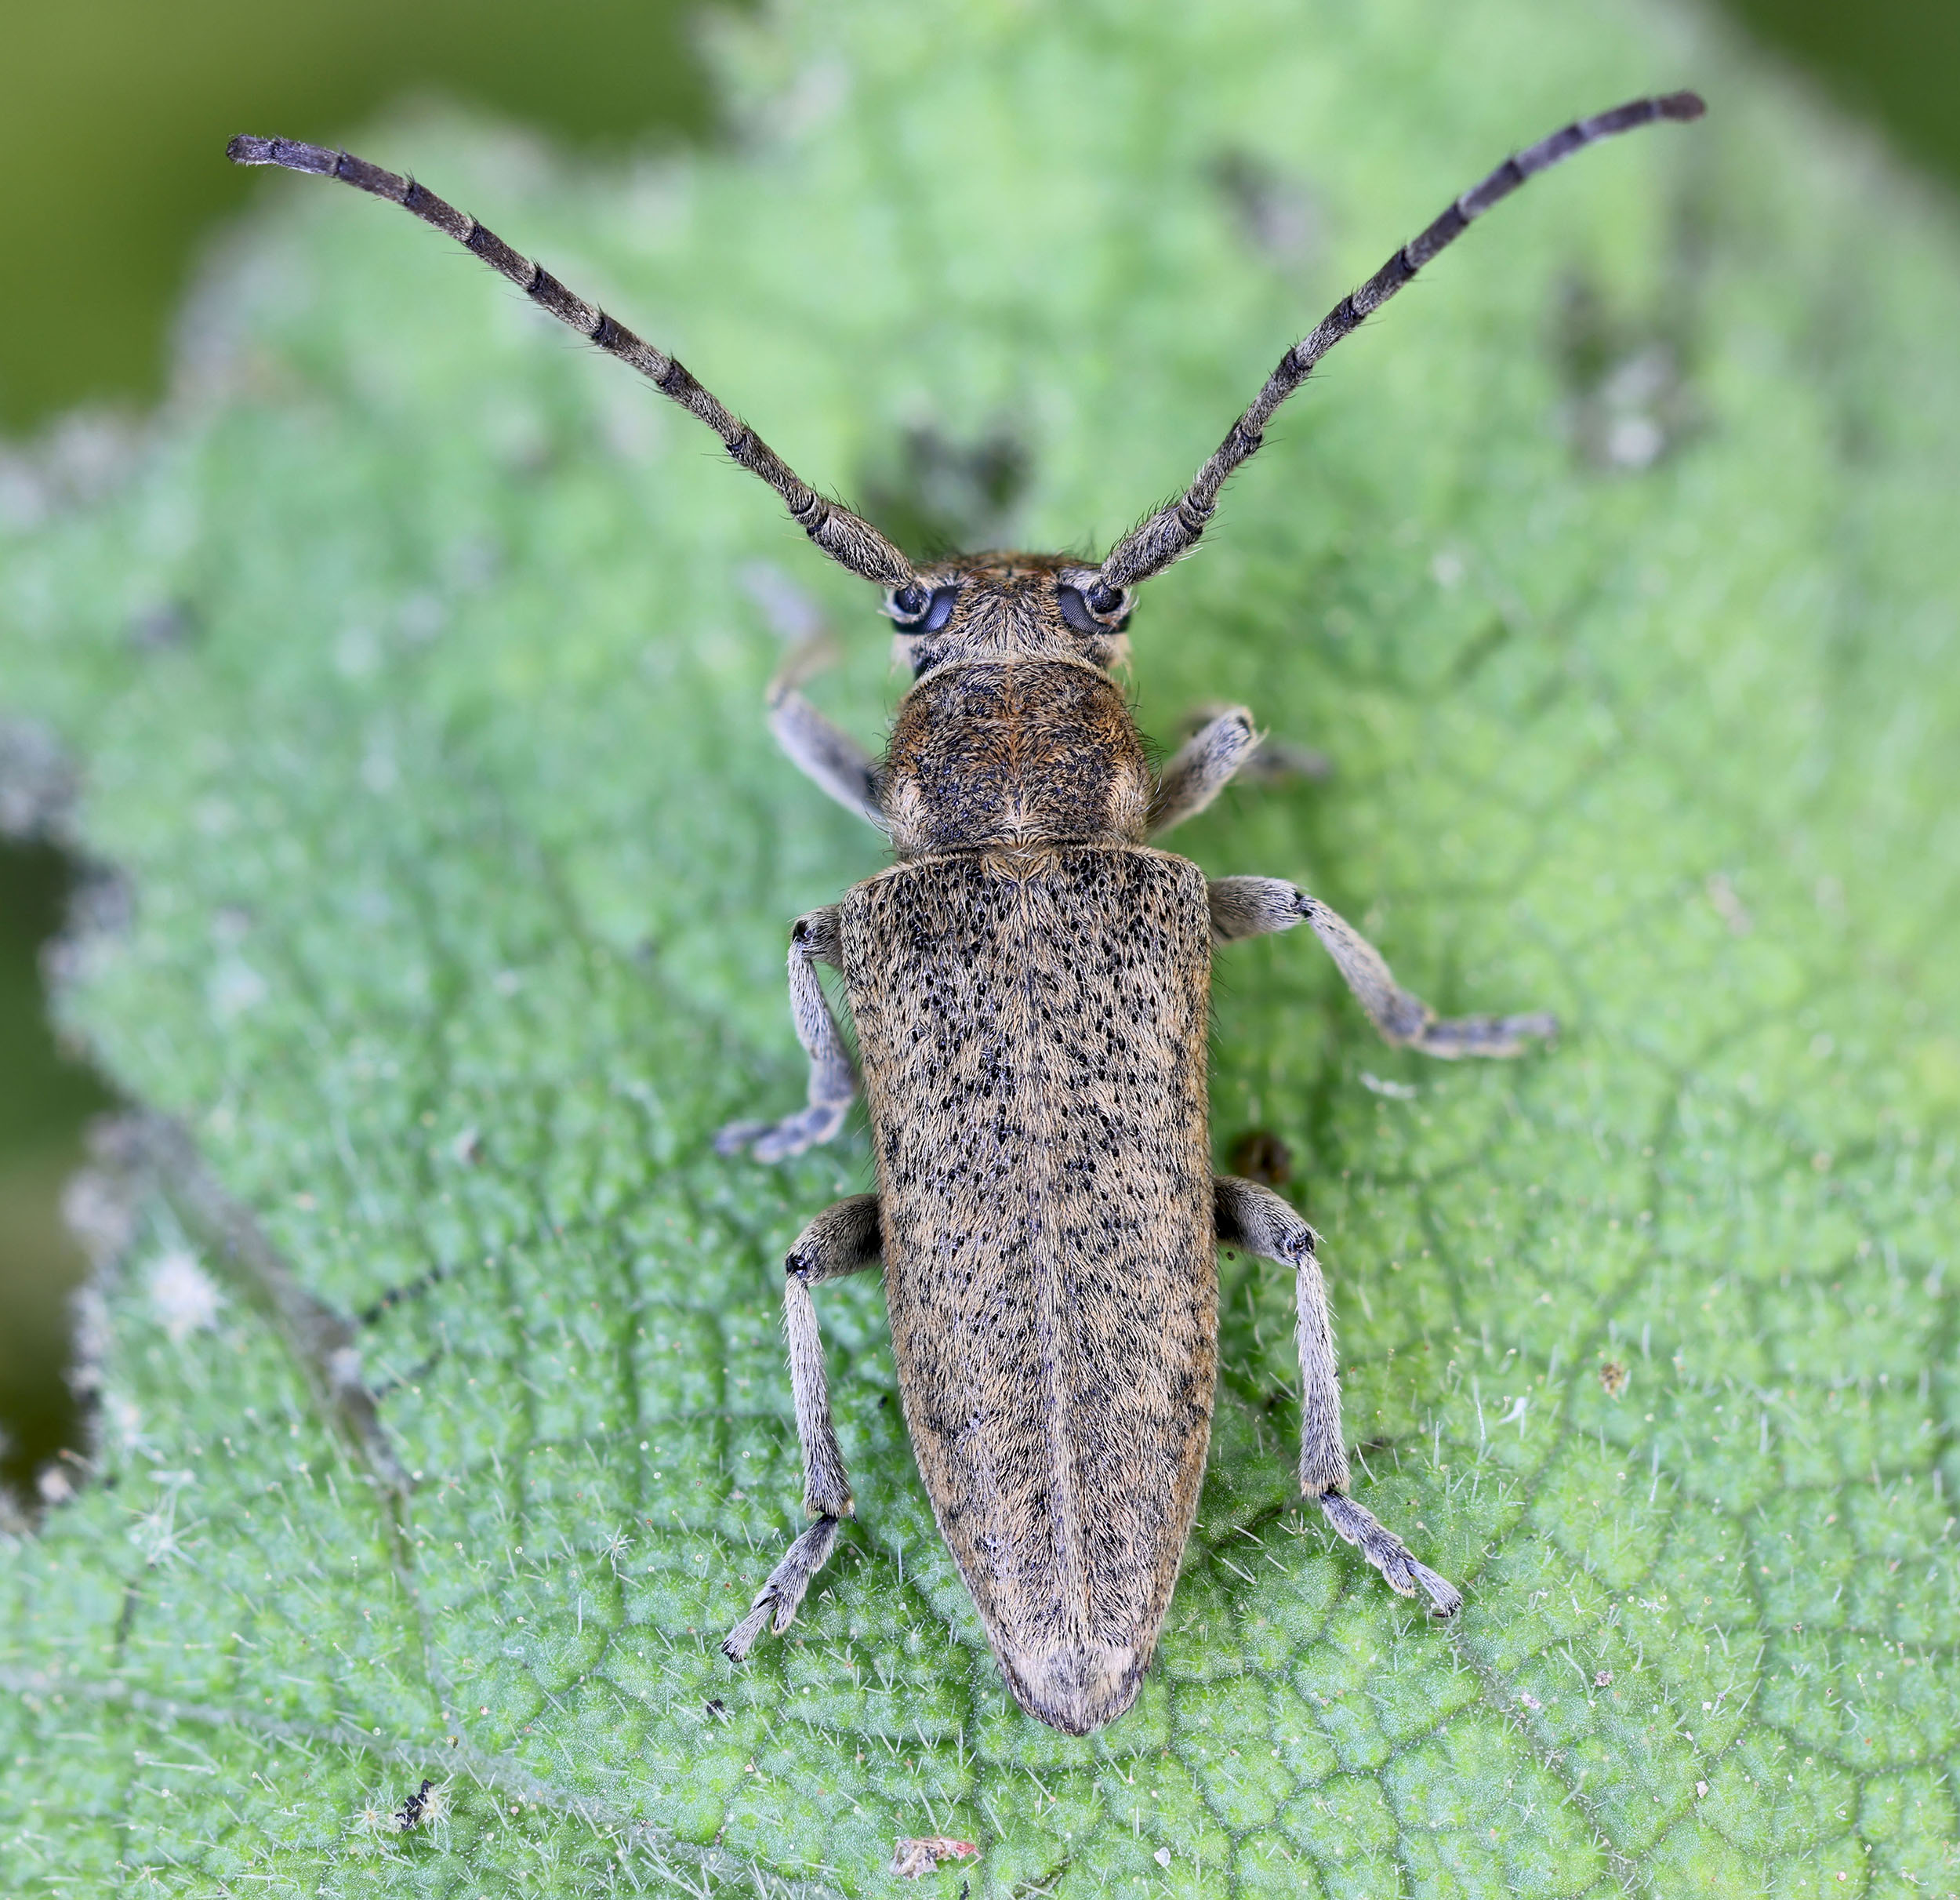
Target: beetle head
(1001, 606)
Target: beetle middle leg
(1252, 906)
(1256, 1218)
(843, 1239)
(833, 1082)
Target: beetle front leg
(829, 757)
(843, 1239)
(1256, 1219)
(1203, 767)
(1253, 906)
(825, 754)
(833, 1082)
(1222, 747)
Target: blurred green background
(113, 120)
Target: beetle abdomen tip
(1079, 1688)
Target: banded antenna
(1172, 531)
(847, 539)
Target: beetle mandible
(1029, 981)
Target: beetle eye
(917, 611)
(1075, 610)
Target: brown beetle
(1030, 982)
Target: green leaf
(414, 692)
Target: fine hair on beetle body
(1030, 981)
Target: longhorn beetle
(1030, 981)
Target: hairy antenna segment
(847, 539)
(1172, 531)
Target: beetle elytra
(1029, 981)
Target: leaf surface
(416, 693)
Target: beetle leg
(833, 1082)
(831, 759)
(1201, 768)
(824, 753)
(1256, 1218)
(843, 1239)
(821, 752)
(1251, 907)
(1222, 747)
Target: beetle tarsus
(782, 1141)
(776, 1602)
(1389, 1554)
(1451, 1036)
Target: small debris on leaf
(912, 1858)
(1613, 1378)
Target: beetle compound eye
(917, 611)
(1081, 610)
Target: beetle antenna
(1172, 531)
(847, 539)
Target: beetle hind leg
(1256, 1218)
(843, 1239)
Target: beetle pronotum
(1029, 981)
